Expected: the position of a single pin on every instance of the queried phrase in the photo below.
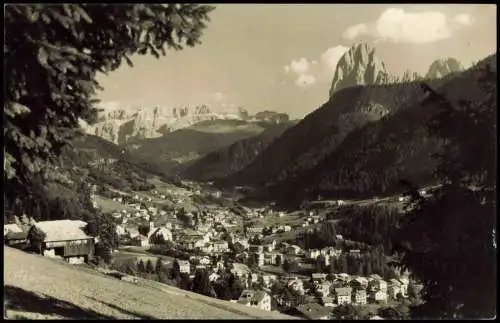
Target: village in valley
(198, 239)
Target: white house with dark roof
(220, 246)
(184, 266)
(378, 295)
(360, 297)
(343, 295)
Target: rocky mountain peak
(358, 66)
(442, 67)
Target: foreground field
(39, 288)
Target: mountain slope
(36, 287)
(318, 134)
(227, 160)
(185, 145)
(373, 159)
(351, 106)
(103, 162)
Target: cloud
(305, 80)
(355, 31)
(309, 72)
(299, 66)
(302, 70)
(398, 26)
(331, 56)
(463, 19)
(219, 97)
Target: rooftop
(343, 291)
(249, 295)
(313, 311)
(12, 228)
(62, 230)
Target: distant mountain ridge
(122, 126)
(181, 147)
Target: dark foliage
(201, 283)
(448, 241)
(65, 46)
(227, 160)
(52, 55)
(318, 134)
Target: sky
(282, 57)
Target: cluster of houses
(326, 291)
(356, 290)
(202, 232)
(263, 211)
(340, 289)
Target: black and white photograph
(250, 161)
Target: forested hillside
(372, 159)
(307, 144)
(106, 163)
(231, 159)
(185, 145)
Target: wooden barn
(64, 239)
(16, 238)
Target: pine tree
(176, 272)
(201, 283)
(149, 266)
(286, 266)
(158, 266)
(141, 267)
